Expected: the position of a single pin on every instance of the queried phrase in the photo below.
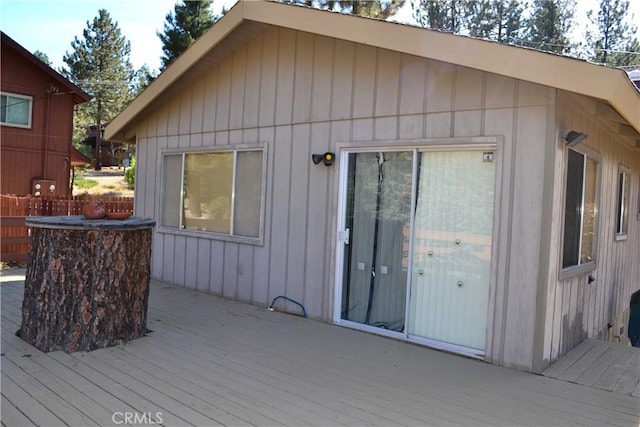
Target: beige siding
(301, 94)
(576, 309)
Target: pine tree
(443, 15)
(549, 26)
(613, 42)
(499, 20)
(188, 21)
(377, 9)
(42, 57)
(99, 65)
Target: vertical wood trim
(285, 76)
(268, 78)
(223, 98)
(364, 81)
(204, 264)
(280, 189)
(296, 243)
(238, 83)
(342, 80)
(252, 92)
(210, 100)
(303, 77)
(322, 85)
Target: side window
(623, 203)
(15, 110)
(580, 210)
(218, 192)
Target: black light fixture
(574, 138)
(327, 158)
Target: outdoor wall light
(327, 158)
(574, 138)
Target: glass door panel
(376, 258)
(452, 242)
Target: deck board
(601, 365)
(210, 361)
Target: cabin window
(218, 192)
(15, 110)
(580, 210)
(623, 203)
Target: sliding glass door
(378, 214)
(418, 254)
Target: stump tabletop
(79, 222)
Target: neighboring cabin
(464, 209)
(36, 124)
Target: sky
(51, 25)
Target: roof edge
(232, 19)
(578, 76)
(80, 96)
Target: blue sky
(51, 25)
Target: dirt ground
(110, 183)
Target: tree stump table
(87, 282)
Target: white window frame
(581, 268)
(622, 206)
(210, 234)
(29, 114)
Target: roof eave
(79, 96)
(116, 130)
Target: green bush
(130, 174)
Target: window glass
(624, 192)
(15, 110)
(248, 194)
(589, 214)
(172, 180)
(218, 192)
(208, 185)
(580, 210)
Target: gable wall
(576, 309)
(49, 138)
(302, 94)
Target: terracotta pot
(118, 215)
(94, 210)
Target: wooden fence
(15, 237)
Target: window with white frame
(623, 202)
(15, 110)
(219, 192)
(580, 210)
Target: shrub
(130, 174)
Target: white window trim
(30, 113)
(257, 241)
(626, 172)
(565, 273)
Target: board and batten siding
(299, 94)
(575, 308)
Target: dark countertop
(79, 222)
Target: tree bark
(86, 289)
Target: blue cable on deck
(270, 308)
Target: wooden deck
(212, 362)
(602, 365)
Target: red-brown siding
(44, 150)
